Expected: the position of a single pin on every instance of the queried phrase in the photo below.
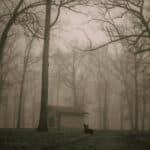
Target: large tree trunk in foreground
(44, 91)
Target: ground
(28, 139)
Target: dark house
(65, 117)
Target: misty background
(89, 67)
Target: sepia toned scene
(74, 75)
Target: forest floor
(28, 139)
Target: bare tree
(22, 14)
(136, 37)
(71, 74)
(44, 91)
(7, 69)
(138, 23)
(25, 67)
(100, 68)
(5, 32)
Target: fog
(89, 68)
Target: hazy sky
(74, 27)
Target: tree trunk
(25, 65)
(121, 114)
(144, 103)
(58, 86)
(130, 107)
(75, 99)
(6, 115)
(20, 99)
(34, 107)
(136, 95)
(105, 112)
(44, 91)
(74, 88)
(100, 105)
(15, 112)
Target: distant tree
(69, 66)
(26, 61)
(100, 68)
(135, 33)
(123, 67)
(7, 69)
(144, 95)
(143, 89)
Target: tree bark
(99, 103)
(121, 114)
(130, 106)
(6, 119)
(144, 103)
(136, 95)
(44, 91)
(20, 99)
(25, 65)
(58, 86)
(74, 88)
(105, 112)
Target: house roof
(67, 110)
